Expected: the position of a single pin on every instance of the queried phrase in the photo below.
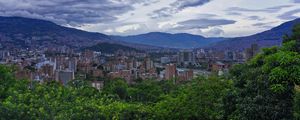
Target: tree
(116, 87)
(264, 86)
(297, 104)
(200, 99)
(147, 91)
(294, 37)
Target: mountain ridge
(20, 32)
(26, 32)
(268, 38)
(169, 40)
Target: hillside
(26, 32)
(111, 48)
(267, 38)
(180, 40)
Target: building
(72, 64)
(23, 74)
(251, 52)
(4, 54)
(219, 67)
(124, 74)
(170, 72)
(97, 73)
(230, 55)
(47, 71)
(165, 60)
(186, 57)
(98, 84)
(185, 74)
(64, 76)
(148, 64)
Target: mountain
(181, 40)
(111, 48)
(18, 32)
(26, 32)
(272, 37)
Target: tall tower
(171, 72)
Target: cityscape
(149, 59)
(66, 64)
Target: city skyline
(210, 18)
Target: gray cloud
(175, 7)
(255, 18)
(182, 4)
(234, 13)
(296, 1)
(163, 12)
(268, 10)
(69, 12)
(266, 25)
(213, 32)
(206, 15)
(289, 15)
(203, 23)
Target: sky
(209, 18)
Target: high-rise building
(4, 54)
(73, 64)
(186, 57)
(170, 72)
(48, 71)
(148, 64)
(64, 76)
(185, 74)
(230, 55)
(251, 52)
(165, 60)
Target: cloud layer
(290, 15)
(176, 7)
(216, 18)
(204, 23)
(72, 12)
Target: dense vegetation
(149, 99)
(264, 88)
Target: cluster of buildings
(180, 74)
(64, 64)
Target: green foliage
(53, 101)
(201, 99)
(297, 104)
(264, 86)
(117, 87)
(294, 37)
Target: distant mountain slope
(181, 40)
(265, 39)
(16, 32)
(26, 32)
(19, 32)
(111, 48)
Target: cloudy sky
(226, 18)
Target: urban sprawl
(64, 64)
